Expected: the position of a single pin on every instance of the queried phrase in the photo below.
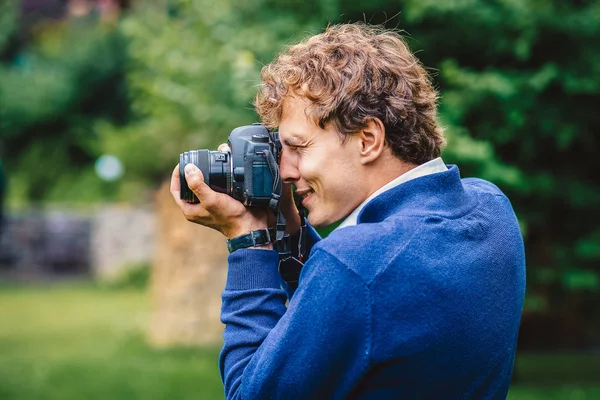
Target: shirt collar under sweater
(441, 195)
(430, 167)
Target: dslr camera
(249, 173)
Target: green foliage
(52, 94)
(8, 23)
(193, 70)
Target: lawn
(76, 342)
(79, 341)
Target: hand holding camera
(215, 210)
(237, 189)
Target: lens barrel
(215, 166)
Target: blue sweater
(421, 300)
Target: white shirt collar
(430, 167)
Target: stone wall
(37, 244)
(188, 262)
(102, 243)
(121, 237)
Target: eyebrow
(293, 141)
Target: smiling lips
(304, 194)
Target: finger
(196, 213)
(223, 147)
(287, 199)
(175, 184)
(289, 209)
(195, 181)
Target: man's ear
(371, 140)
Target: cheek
(308, 168)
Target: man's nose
(288, 168)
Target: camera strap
(275, 193)
(290, 262)
(277, 184)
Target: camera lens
(215, 166)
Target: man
(418, 293)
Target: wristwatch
(255, 238)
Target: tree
(54, 89)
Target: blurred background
(107, 292)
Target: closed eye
(295, 149)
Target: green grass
(556, 376)
(79, 341)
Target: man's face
(325, 170)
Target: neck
(384, 170)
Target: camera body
(249, 173)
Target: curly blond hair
(352, 73)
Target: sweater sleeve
(318, 347)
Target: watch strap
(255, 238)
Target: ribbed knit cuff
(253, 269)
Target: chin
(315, 221)
(318, 221)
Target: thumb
(195, 181)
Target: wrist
(256, 239)
(244, 226)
